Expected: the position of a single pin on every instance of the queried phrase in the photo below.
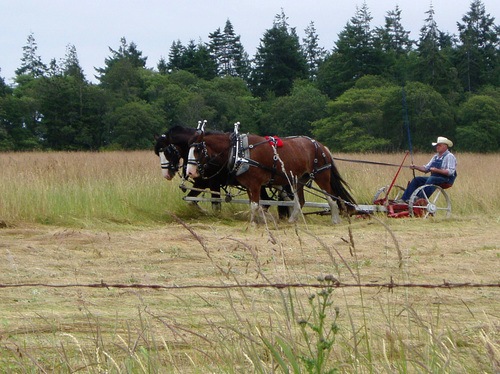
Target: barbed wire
(333, 284)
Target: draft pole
(395, 177)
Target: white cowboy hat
(443, 140)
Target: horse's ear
(203, 126)
(156, 136)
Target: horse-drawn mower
(426, 201)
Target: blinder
(172, 158)
(203, 161)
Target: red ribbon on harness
(274, 140)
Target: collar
(443, 154)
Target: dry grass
(120, 230)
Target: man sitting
(442, 167)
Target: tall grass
(127, 187)
(261, 330)
(84, 188)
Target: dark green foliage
(478, 53)
(355, 120)
(479, 123)
(278, 62)
(31, 63)
(434, 65)
(350, 98)
(195, 58)
(230, 101)
(133, 124)
(370, 117)
(313, 53)
(228, 53)
(61, 104)
(354, 55)
(293, 114)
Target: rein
(202, 147)
(368, 162)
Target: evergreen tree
(394, 44)
(162, 66)
(279, 60)
(31, 63)
(394, 38)
(228, 52)
(218, 50)
(313, 53)
(126, 52)
(122, 74)
(4, 88)
(478, 54)
(197, 60)
(70, 65)
(354, 56)
(175, 56)
(434, 65)
(53, 69)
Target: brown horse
(259, 161)
(173, 147)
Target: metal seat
(445, 186)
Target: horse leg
(256, 211)
(334, 209)
(194, 204)
(264, 196)
(284, 195)
(298, 203)
(216, 206)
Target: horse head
(170, 156)
(208, 155)
(197, 155)
(172, 148)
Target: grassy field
(72, 223)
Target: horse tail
(339, 185)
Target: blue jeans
(420, 181)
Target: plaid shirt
(447, 160)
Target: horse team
(214, 160)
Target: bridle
(172, 158)
(201, 148)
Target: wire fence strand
(333, 284)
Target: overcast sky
(93, 26)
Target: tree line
(372, 89)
